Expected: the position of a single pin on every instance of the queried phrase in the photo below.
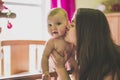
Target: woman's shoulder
(109, 77)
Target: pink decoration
(116, 7)
(1, 5)
(9, 25)
(1, 8)
(68, 5)
(54, 3)
(1, 2)
(5, 7)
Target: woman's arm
(59, 63)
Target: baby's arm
(44, 62)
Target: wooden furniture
(114, 22)
(19, 61)
(16, 55)
(29, 76)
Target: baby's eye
(49, 25)
(58, 23)
(72, 25)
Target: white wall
(88, 3)
(30, 23)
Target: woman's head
(90, 26)
(96, 51)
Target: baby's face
(57, 25)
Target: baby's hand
(46, 76)
(57, 60)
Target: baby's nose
(53, 27)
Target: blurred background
(26, 20)
(30, 20)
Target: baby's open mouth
(55, 32)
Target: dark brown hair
(97, 54)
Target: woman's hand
(57, 60)
(59, 64)
(46, 78)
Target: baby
(57, 25)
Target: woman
(98, 57)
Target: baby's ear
(68, 25)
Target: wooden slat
(22, 42)
(19, 54)
(34, 76)
(20, 59)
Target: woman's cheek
(71, 36)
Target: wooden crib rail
(19, 50)
(22, 42)
(19, 55)
(37, 76)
